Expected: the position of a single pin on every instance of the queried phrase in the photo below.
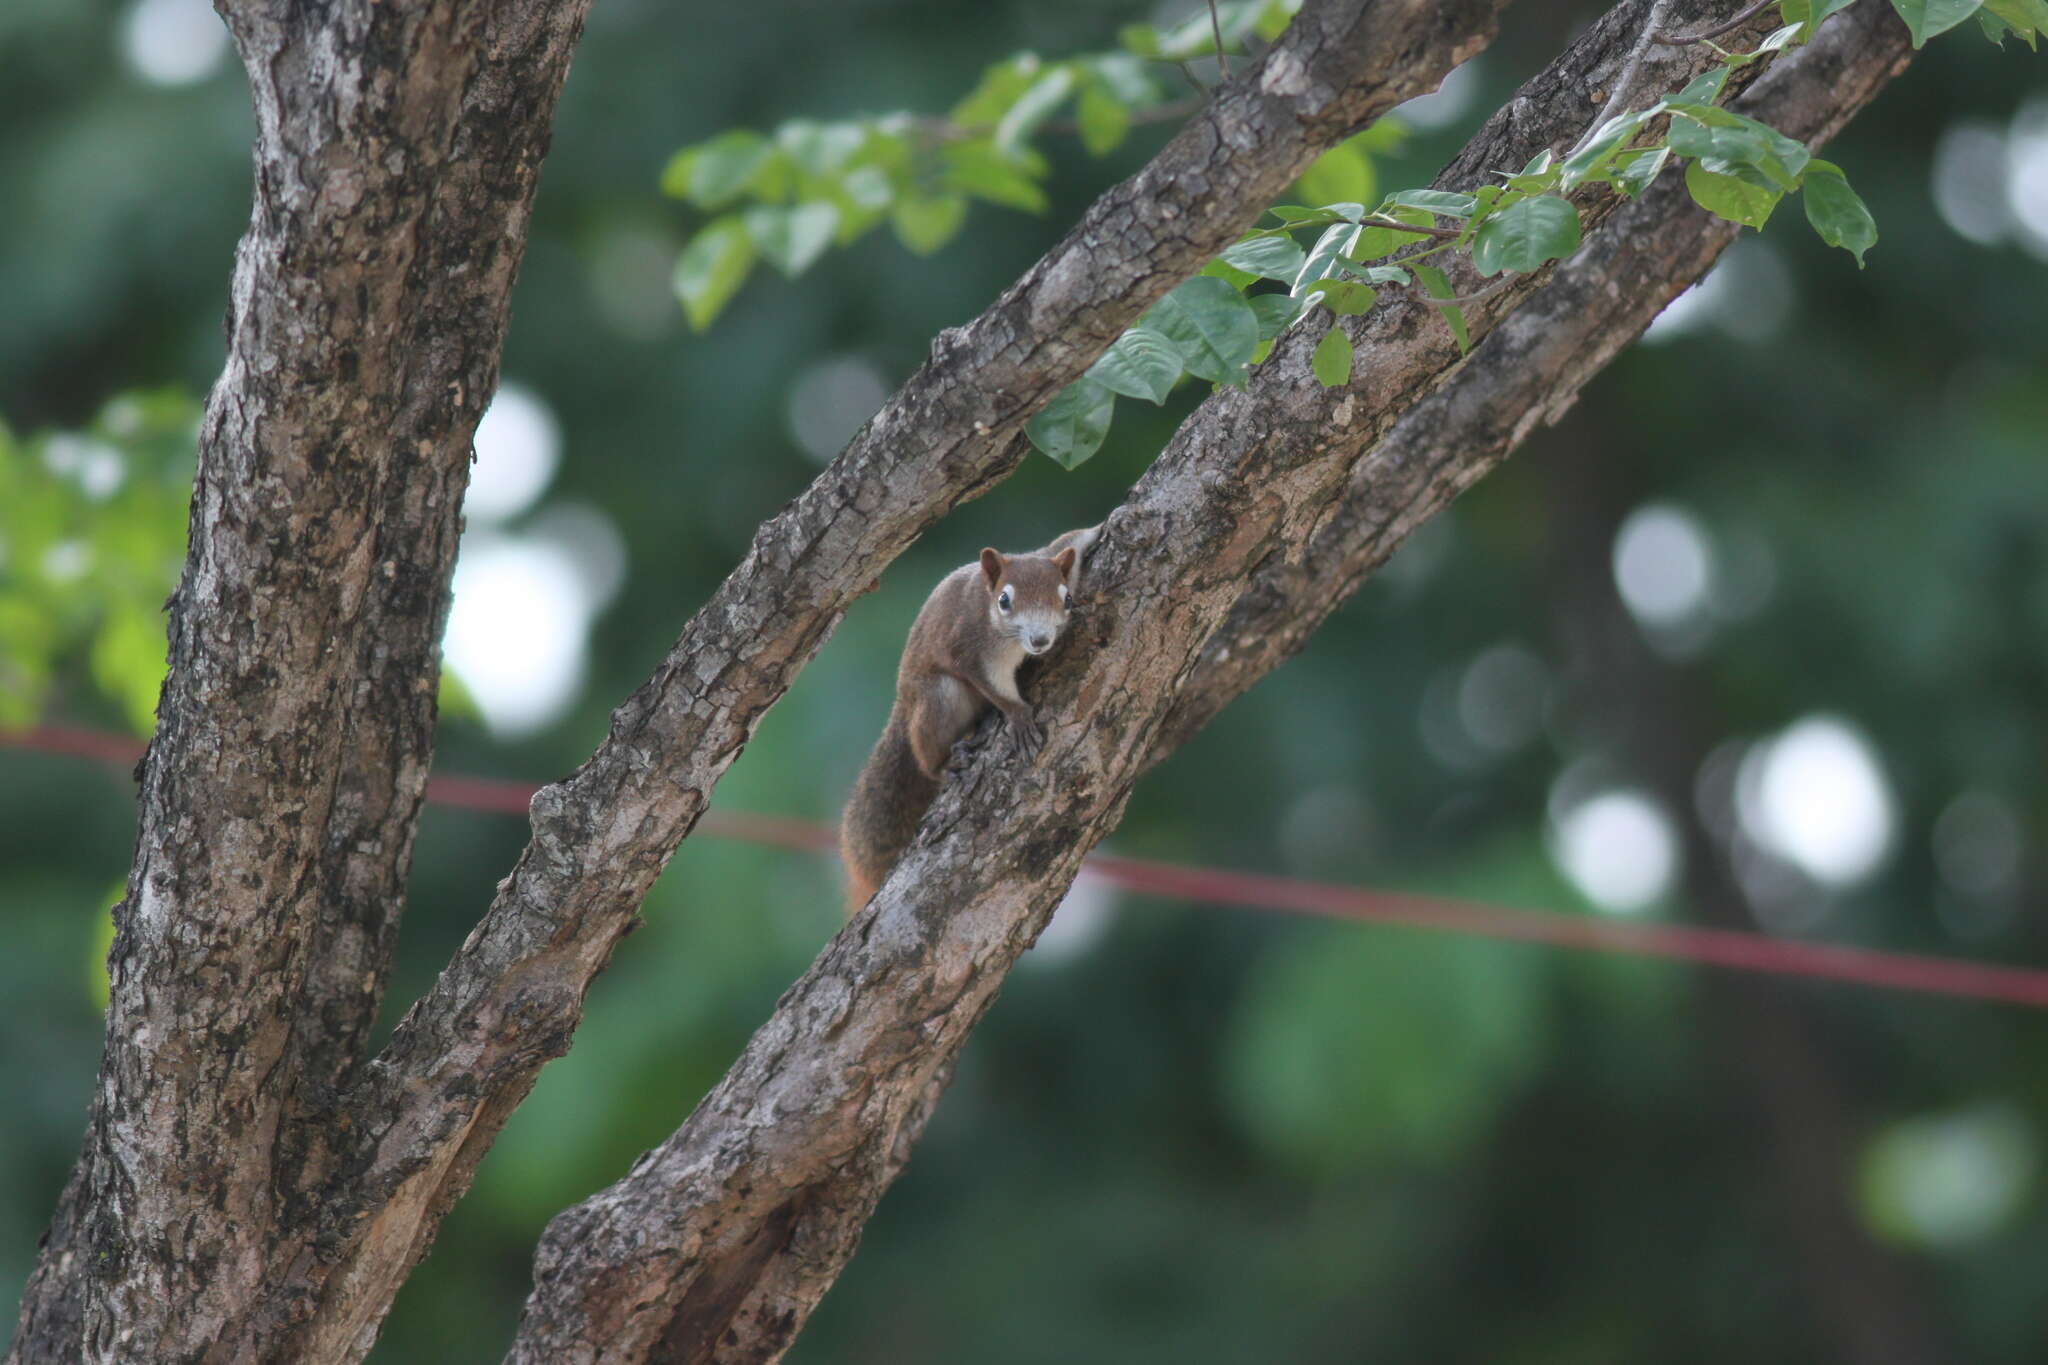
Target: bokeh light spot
(1663, 566)
(1816, 797)
(1618, 848)
(173, 42)
(518, 444)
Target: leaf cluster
(1735, 167)
(785, 198)
(789, 197)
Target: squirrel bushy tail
(888, 803)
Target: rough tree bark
(397, 150)
(1267, 508)
(250, 1188)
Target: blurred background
(1757, 637)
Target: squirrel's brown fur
(979, 624)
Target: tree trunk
(397, 151)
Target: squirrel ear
(1064, 562)
(992, 568)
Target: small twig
(1627, 80)
(1460, 300)
(1193, 79)
(1371, 220)
(1216, 28)
(1685, 39)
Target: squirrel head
(1028, 595)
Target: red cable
(1730, 948)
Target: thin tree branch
(1429, 300)
(1625, 82)
(1216, 29)
(1442, 234)
(1702, 35)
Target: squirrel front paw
(1030, 735)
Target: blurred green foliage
(1183, 1134)
(92, 531)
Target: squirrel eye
(1004, 600)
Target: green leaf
(1633, 170)
(1994, 27)
(1272, 258)
(1375, 242)
(712, 268)
(1034, 107)
(1141, 39)
(1523, 236)
(1139, 364)
(1539, 175)
(1344, 298)
(1070, 428)
(2028, 18)
(1275, 312)
(1702, 89)
(1378, 274)
(1212, 327)
(926, 222)
(1723, 135)
(1731, 198)
(1273, 20)
(1220, 269)
(1333, 246)
(1836, 212)
(1124, 79)
(1333, 357)
(128, 655)
(1000, 86)
(792, 238)
(1104, 121)
(868, 187)
(1445, 202)
(1603, 147)
(975, 167)
(1343, 172)
(820, 149)
(1928, 18)
(1810, 12)
(714, 173)
(1779, 39)
(1438, 286)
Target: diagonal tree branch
(1528, 372)
(719, 1243)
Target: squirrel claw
(1030, 737)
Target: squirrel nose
(1039, 642)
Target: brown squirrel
(978, 626)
